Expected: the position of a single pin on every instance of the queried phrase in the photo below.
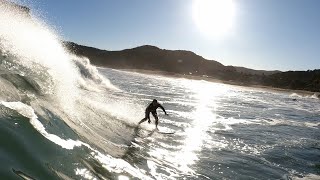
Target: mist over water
(61, 117)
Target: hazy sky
(265, 34)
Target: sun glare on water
(214, 18)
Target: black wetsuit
(153, 109)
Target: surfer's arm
(163, 109)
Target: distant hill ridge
(153, 58)
(183, 62)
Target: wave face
(62, 118)
(52, 106)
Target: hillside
(151, 58)
(253, 71)
(188, 63)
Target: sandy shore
(211, 79)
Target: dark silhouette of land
(179, 62)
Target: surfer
(152, 107)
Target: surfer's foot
(149, 121)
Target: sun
(214, 18)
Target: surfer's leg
(145, 118)
(142, 120)
(156, 118)
(157, 122)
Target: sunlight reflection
(203, 97)
(206, 95)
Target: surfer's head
(154, 102)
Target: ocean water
(62, 118)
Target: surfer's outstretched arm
(163, 109)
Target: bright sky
(259, 34)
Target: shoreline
(212, 79)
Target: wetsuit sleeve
(162, 108)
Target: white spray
(34, 51)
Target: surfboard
(148, 131)
(143, 132)
(163, 130)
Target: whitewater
(63, 118)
